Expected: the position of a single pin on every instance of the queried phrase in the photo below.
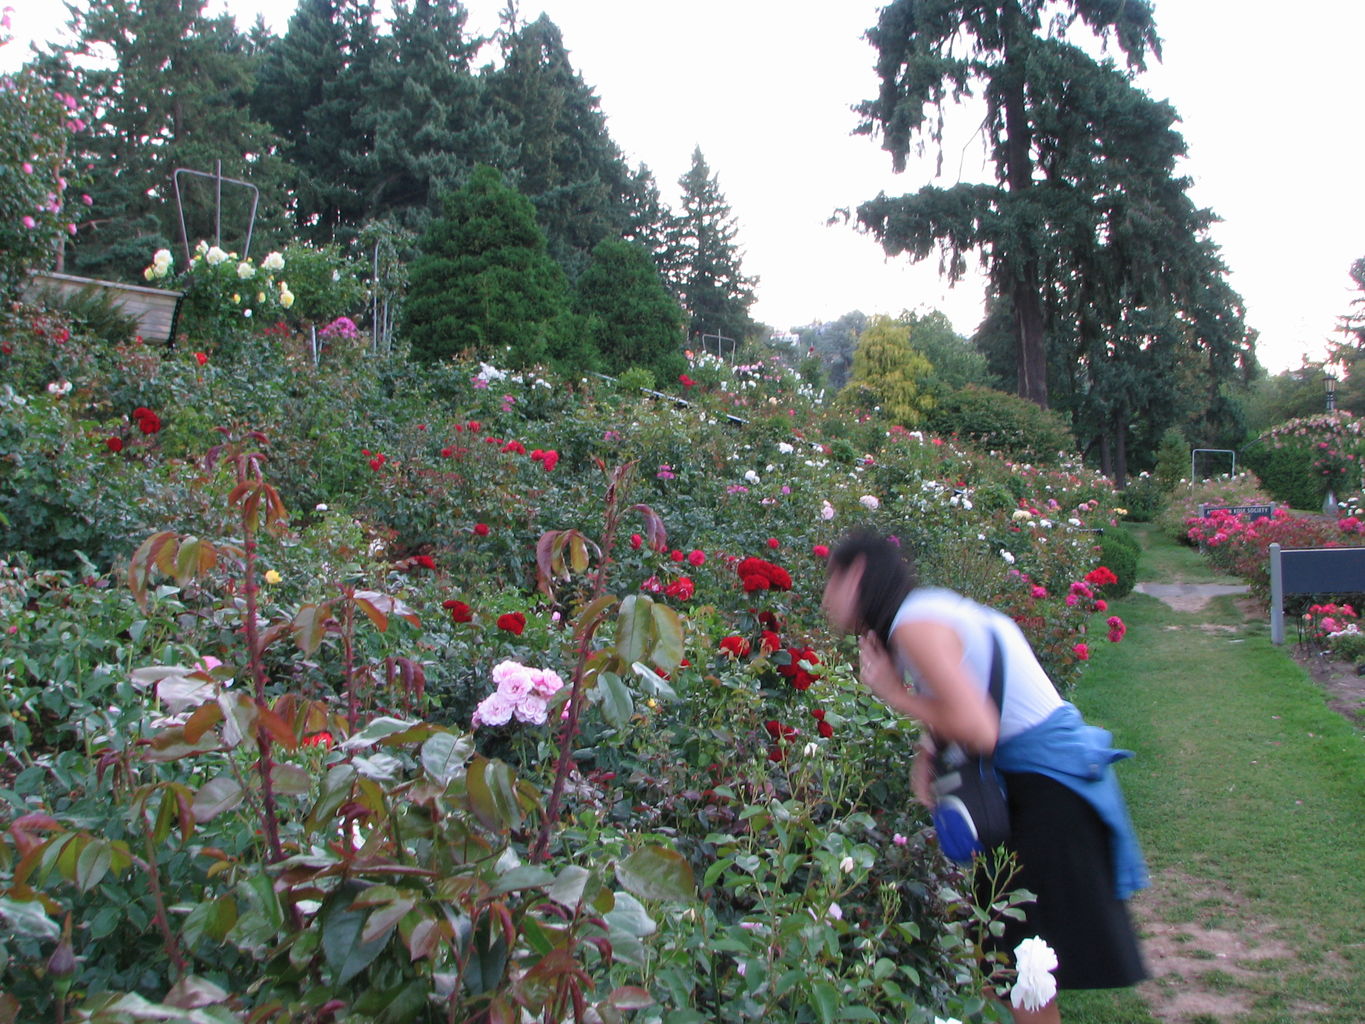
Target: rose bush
(364, 548)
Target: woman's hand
(878, 670)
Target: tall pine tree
(931, 51)
(313, 89)
(563, 157)
(710, 281)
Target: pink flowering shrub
(1241, 547)
(523, 693)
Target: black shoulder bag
(971, 814)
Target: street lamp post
(1329, 383)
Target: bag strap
(997, 682)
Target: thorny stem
(348, 662)
(265, 763)
(163, 922)
(565, 764)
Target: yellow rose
(272, 576)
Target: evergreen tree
(425, 111)
(486, 286)
(649, 221)
(563, 157)
(313, 89)
(710, 282)
(889, 373)
(929, 50)
(171, 87)
(1110, 285)
(628, 313)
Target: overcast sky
(1270, 109)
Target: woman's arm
(953, 709)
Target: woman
(1069, 828)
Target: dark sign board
(1252, 512)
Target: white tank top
(1029, 694)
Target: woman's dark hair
(888, 576)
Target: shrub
(1120, 553)
(1299, 461)
(1001, 422)
(36, 137)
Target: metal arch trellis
(719, 339)
(219, 182)
(1213, 451)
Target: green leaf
(380, 728)
(633, 623)
(568, 886)
(92, 865)
(525, 876)
(629, 917)
(27, 919)
(617, 703)
(291, 780)
(668, 643)
(657, 873)
(492, 797)
(336, 790)
(384, 919)
(826, 998)
(216, 796)
(444, 756)
(342, 926)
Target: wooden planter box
(155, 309)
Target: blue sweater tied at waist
(1079, 756)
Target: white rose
(245, 270)
(1007, 557)
(1034, 985)
(215, 256)
(870, 501)
(273, 261)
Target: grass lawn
(1248, 792)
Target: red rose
(551, 460)
(774, 543)
(825, 730)
(1101, 576)
(513, 622)
(149, 423)
(114, 444)
(735, 646)
(681, 588)
(201, 358)
(515, 447)
(474, 425)
(377, 463)
(459, 611)
(424, 562)
(447, 452)
(820, 551)
(676, 555)
(818, 713)
(776, 754)
(686, 381)
(481, 529)
(319, 739)
(636, 540)
(696, 556)
(769, 641)
(778, 731)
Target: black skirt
(1062, 848)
